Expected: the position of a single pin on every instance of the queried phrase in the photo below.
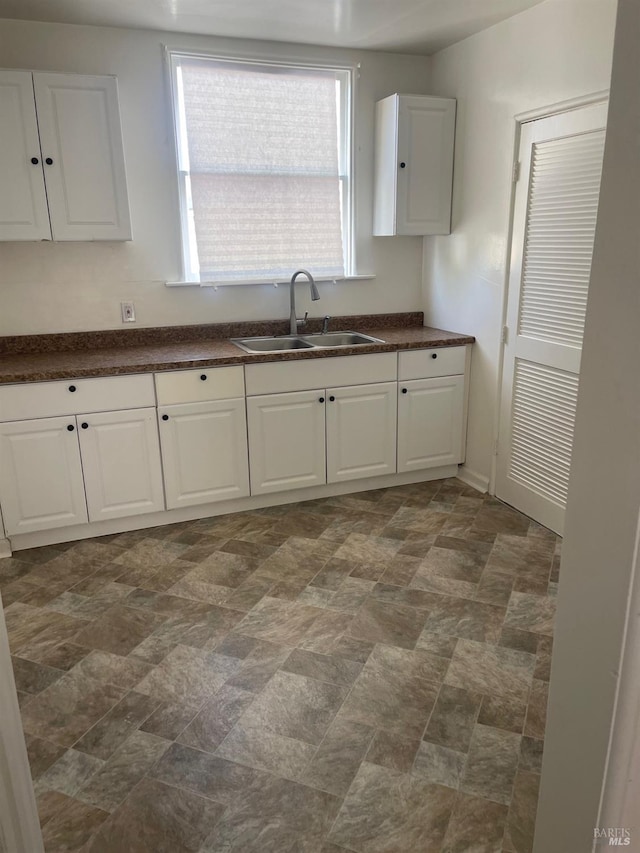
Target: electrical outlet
(128, 311)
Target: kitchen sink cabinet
(286, 441)
(62, 169)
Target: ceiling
(403, 26)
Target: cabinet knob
(203, 376)
(332, 399)
(404, 390)
(165, 417)
(71, 427)
(35, 161)
(434, 355)
(321, 399)
(402, 165)
(49, 161)
(84, 425)
(72, 388)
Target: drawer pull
(71, 427)
(35, 161)
(404, 390)
(84, 425)
(321, 399)
(165, 417)
(434, 355)
(72, 388)
(332, 399)
(203, 376)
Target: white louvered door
(554, 224)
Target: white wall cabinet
(41, 485)
(414, 140)
(62, 169)
(204, 452)
(121, 463)
(361, 431)
(286, 441)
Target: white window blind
(264, 169)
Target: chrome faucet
(294, 323)
(325, 324)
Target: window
(263, 161)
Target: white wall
(47, 287)
(558, 50)
(604, 501)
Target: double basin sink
(305, 342)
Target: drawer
(425, 363)
(200, 385)
(75, 397)
(277, 377)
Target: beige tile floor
(365, 673)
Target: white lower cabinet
(41, 485)
(430, 422)
(286, 441)
(204, 452)
(121, 462)
(49, 465)
(361, 431)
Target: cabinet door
(204, 452)
(80, 134)
(121, 462)
(286, 441)
(430, 422)
(23, 202)
(426, 129)
(40, 475)
(361, 431)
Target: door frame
(519, 120)
(19, 824)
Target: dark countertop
(46, 357)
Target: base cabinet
(58, 472)
(204, 452)
(41, 485)
(286, 441)
(430, 422)
(121, 462)
(361, 431)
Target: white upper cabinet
(414, 142)
(62, 170)
(23, 200)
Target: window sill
(216, 284)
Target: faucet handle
(300, 324)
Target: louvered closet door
(555, 214)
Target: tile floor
(365, 673)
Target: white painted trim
(473, 479)
(563, 106)
(263, 281)
(621, 789)
(19, 825)
(154, 519)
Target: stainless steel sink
(341, 339)
(331, 339)
(270, 344)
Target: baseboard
(473, 479)
(5, 548)
(139, 522)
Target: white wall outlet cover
(128, 312)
